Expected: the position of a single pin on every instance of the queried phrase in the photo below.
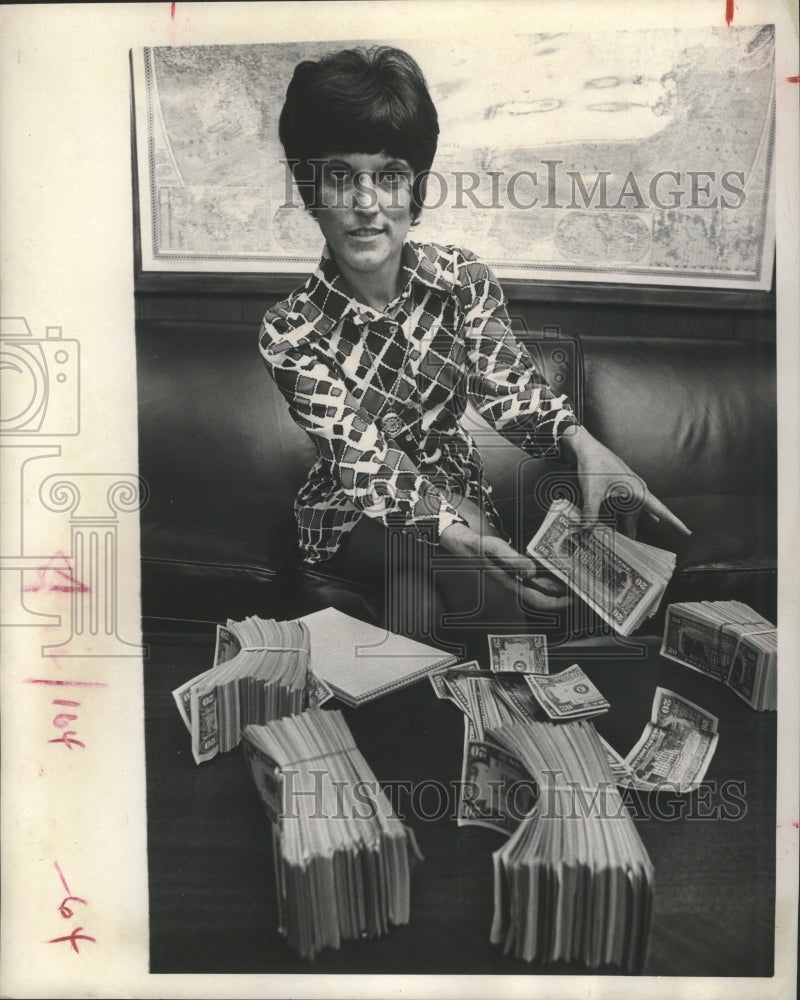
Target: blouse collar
(420, 263)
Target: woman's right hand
(507, 566)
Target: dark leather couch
(222, 461)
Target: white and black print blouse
(381, 394)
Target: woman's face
(366, 211)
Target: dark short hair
(359, 101)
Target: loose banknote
(440, 681)
(509, 687)
(496, 789)
(568, 694)
(227, 644)
(676, 746)
(204, 725)
(513, 689)
(525, 654)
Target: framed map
(634, 156)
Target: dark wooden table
(212, 893)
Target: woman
(378, 352)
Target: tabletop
(213, 905)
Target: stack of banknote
(495, 789)
(342, 857)
(728, 641)
(573, 883)
(260, 673)
(492, 790)
(621, 579)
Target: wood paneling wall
(639, 312)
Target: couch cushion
(732, 553)
(210, 416)
(214, 553)
(691, 416)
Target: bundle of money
(495, 791)
(621, 579)
(574, 882)
(342, 857)
(729, 641)
(260, 673)
(675, 748)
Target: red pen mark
(45, 680)
(793, 79)
(63, 719)
(729, 12)
(62, 578)
(73, 939)
(172, 10)
(66, 912)
(63, 909)
(69, 738)
(796, 825)
(57, 867)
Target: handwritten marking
(73, 939)
(793, 79)
(61, 876)
(172, 10)
(69, 738)
(67, 913)
(729, 5)
(46, 680)
(61, 720)
(71, 586)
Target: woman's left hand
(602, 475)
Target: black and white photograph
(400, 470)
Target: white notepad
(361, 662)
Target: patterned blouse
(381, 394)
